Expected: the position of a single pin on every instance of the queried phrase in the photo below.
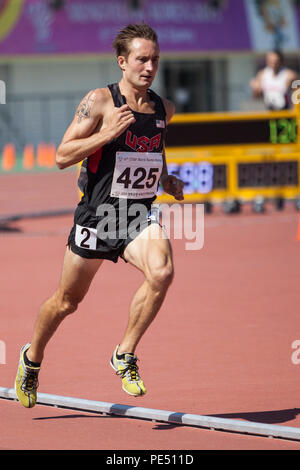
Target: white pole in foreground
(221, 424)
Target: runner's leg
(77, 275)
(153, 256)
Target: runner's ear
(121, 61)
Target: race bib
(86, 237)
(136, 175)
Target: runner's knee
(65, 305)
(160, 275)
(68, 306)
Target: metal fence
(31, 119)
(35, 118)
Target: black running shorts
(84, 237)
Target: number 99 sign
(197, 177)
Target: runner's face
(273, 61)
(141, 65)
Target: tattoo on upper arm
(84, 109)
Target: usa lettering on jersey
(142, 144)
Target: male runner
(109, 123)
(274, 82)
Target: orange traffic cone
(8, 157)
(46, 155)
(51, 155)
(41, 155)
(28, 157)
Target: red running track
(220, 346)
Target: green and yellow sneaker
(125, 366)
(26, 383)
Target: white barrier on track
(210, 422)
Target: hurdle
(154, 415)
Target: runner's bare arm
(89, 130)
(292, 77)
(255, 85)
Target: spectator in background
(273, 82)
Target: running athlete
(274, 82)
(118, 134)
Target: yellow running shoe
(26, 383)
(125, 366)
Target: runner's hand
(173, 186)
(120, 119)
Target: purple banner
(89, 26)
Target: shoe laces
(132, 369)
(30, 380)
